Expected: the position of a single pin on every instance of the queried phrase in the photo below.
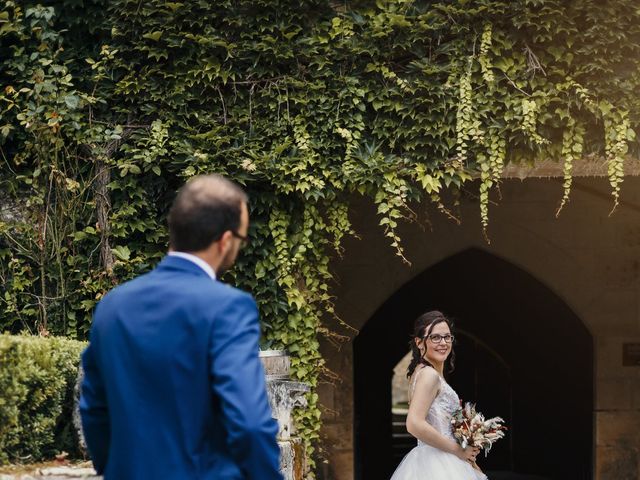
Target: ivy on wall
(103, 115)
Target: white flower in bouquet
(470, 428)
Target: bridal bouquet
(471, 428)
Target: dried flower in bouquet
(471, 429)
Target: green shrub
(37, 378)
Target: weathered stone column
(284, 396)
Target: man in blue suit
(173, 386)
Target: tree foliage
(104, 115)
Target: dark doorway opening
(522, 354)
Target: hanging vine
(572, 148)
(464, 116)
(485, 51)
(617, 134)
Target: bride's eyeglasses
(437, 338)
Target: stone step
(56, 473)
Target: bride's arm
(425, 392)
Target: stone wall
(587, 257)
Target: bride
(432, 402)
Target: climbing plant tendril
(106, 109)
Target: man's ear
(224, 244)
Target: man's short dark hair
(205, 208)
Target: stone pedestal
(284, 396)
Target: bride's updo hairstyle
(422, 328)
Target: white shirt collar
(197, 260)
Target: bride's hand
(468, 454)
(475, 465)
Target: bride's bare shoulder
(425, 374)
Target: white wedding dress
(425, 462)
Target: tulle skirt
(428, 463)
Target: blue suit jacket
(173, 385)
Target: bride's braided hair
(422, 328)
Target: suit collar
(197, 260)
(172, 262)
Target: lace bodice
(442, 408)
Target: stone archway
(547, 349)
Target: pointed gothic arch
(547, 349)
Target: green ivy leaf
(155, 35)
(122, 252)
